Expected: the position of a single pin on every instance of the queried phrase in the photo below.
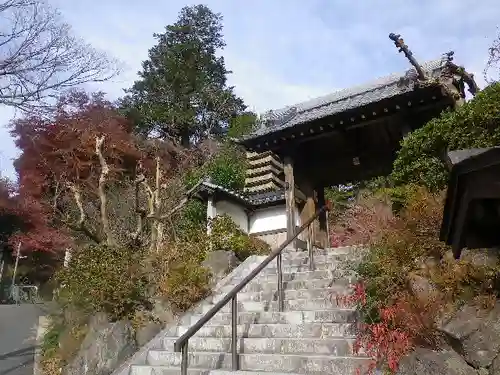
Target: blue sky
(286, 51)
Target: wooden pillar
(289, 195)
(322, 234)
(308, 209)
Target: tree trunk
(184, 134)
(102, 193)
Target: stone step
(290, 305)
(329, 346)
(230, 372)
(329, 250)
(300, 275)
(299, 363)
(305, 330)
(161, 370)
(302, 267)
(271, 286)
(165, 370)
(299, 264)
(339, 251)
(326, 293)
(272, 317)
(303, 259)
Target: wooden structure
(353, 134)
(265, 172)
(471, 216)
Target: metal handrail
(181, 345)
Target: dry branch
(493, 61)
(39, 56)
(80, 224)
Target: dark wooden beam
(322, 220)
(332, 127)
(289, 195)
(308, 209)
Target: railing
(181, 345)
(24, 294)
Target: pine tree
(182, 92)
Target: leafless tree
(493, 64)
(40, 57)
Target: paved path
(18, 325)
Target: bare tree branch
(80, 225)
(39, 57)
(493, 61)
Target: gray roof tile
(344, 100)
(267, 197)
(253, 200)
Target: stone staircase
(312, 336)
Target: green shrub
(226, 235)
(50, 342)
(186, 284)
(227, 169)
(475, 124)
(242, 124)
(177, 272)
(61, 342)
(193, 219)
(102, 278)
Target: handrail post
(281, 302)
(181, 344)
(234, 333)
(310, 247)
(184, 359)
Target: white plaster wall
(234, 211)
(267, 219)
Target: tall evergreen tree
(182, 92)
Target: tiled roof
(458, 156)
(253, 200)
(343, 100)
(267, 197)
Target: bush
(361, 222)
(227, 169)
(193, 219)
(178, 274)
(395, 317)
(60, 343)
(226, 235)
(476, 124)
(399, 242)
(242, 124)
(102, 278)
(186, 284)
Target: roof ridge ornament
(463, 77)
(448, 56)
(277, 118)
(400, 43)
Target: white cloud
(287, 51)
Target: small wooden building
(352, 134)
(471, 216)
